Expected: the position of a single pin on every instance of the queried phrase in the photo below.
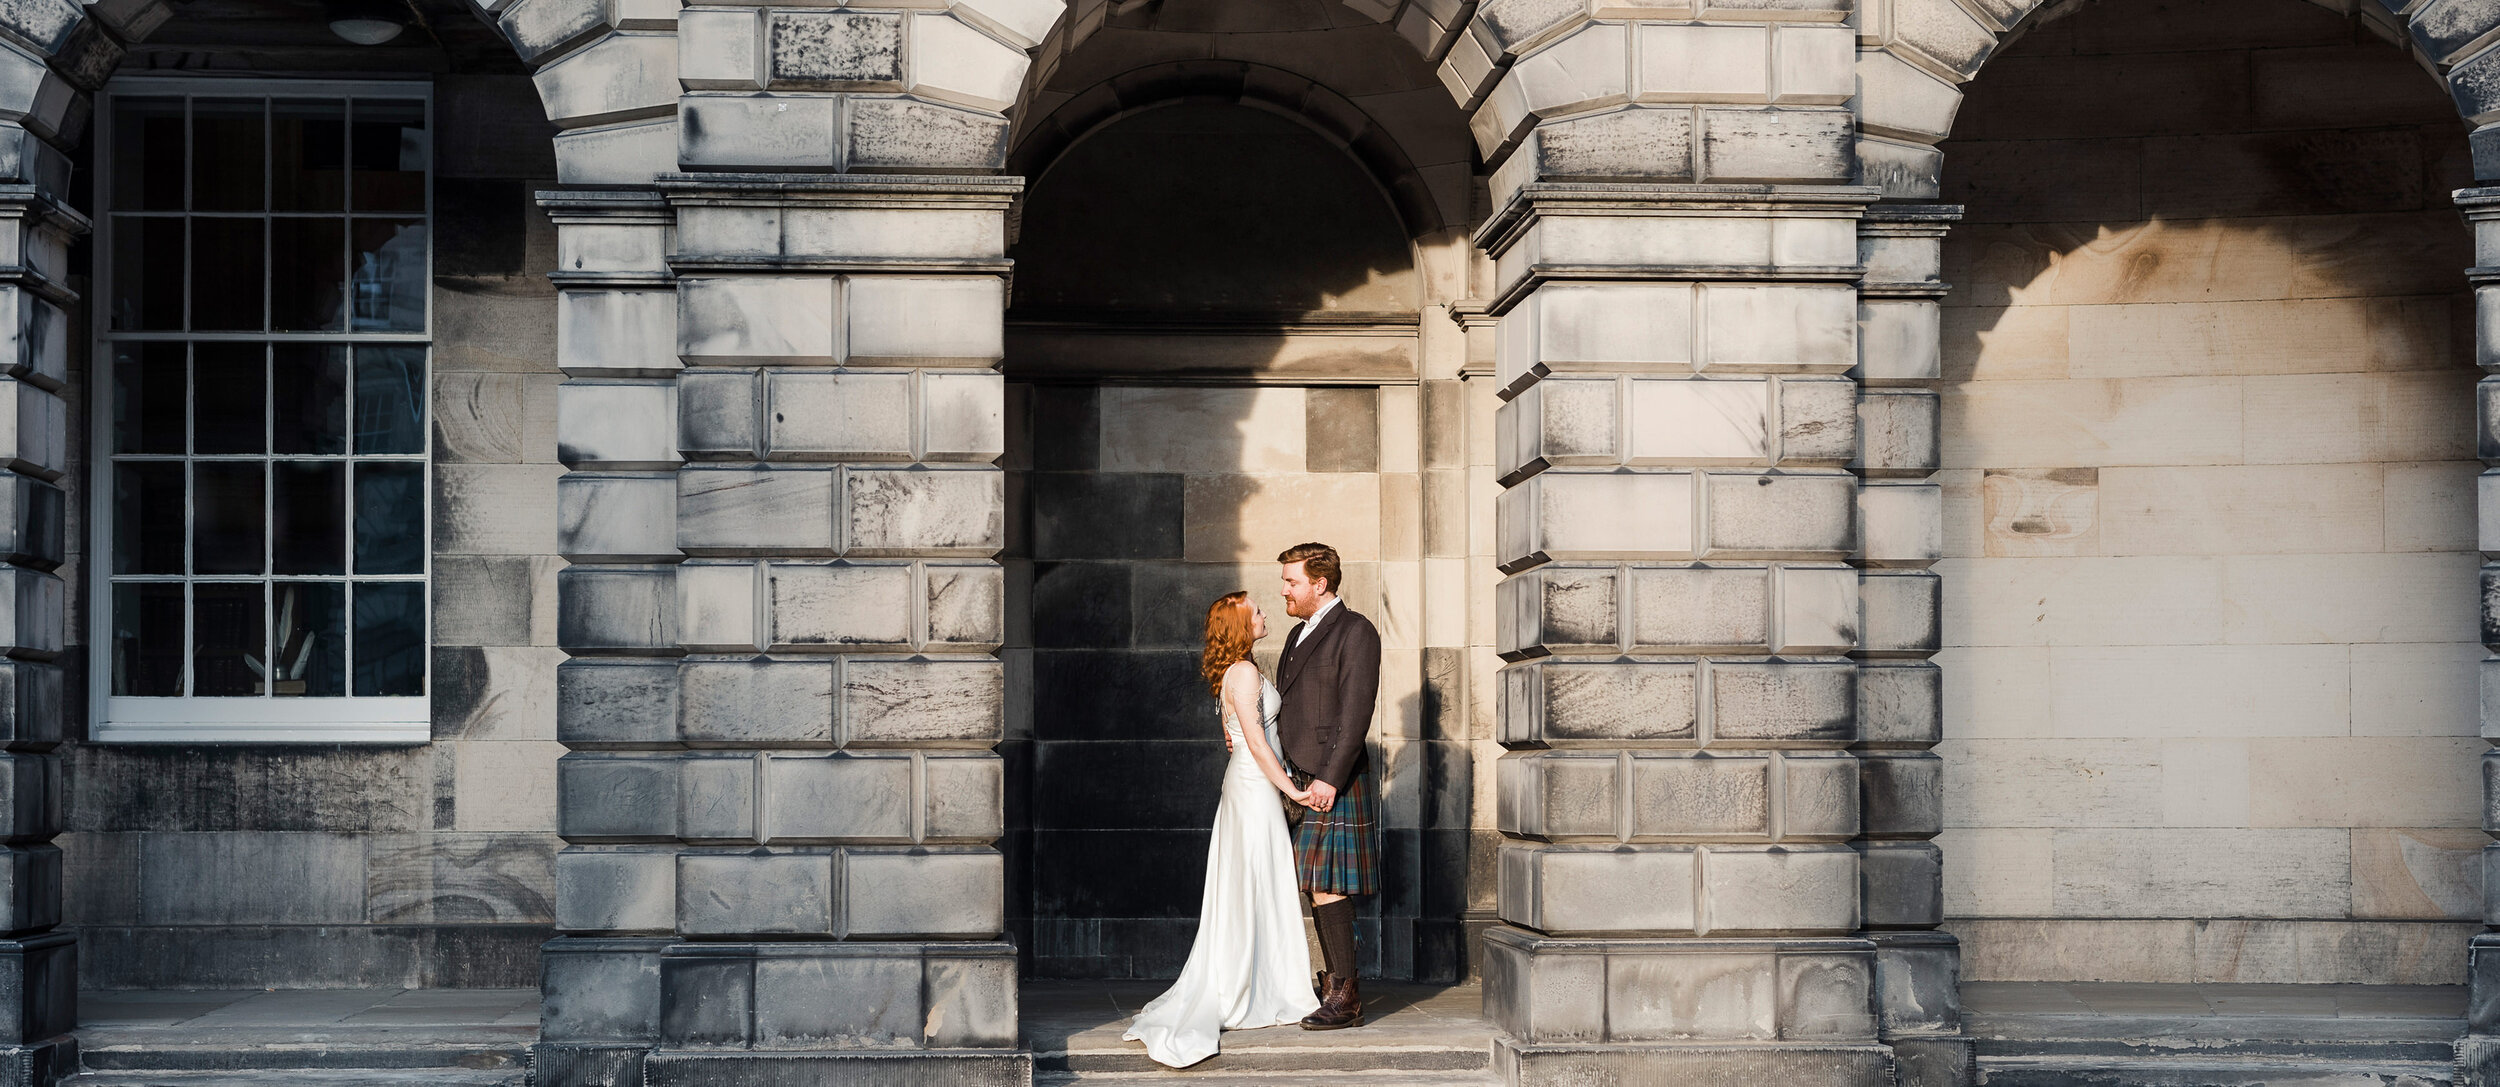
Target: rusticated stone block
(30, 887)
(620, 891)
(616, 518)
(755, 511)
(1904, 884)
(1564, 515)
(1566, 421)
(1777, 145)
(925, 320)
(755, 894)
(719, 50)
(716, 798)
(1566, 795)
(717, 607)
(819, 607)
(1899, 340)
(755, 132)
(845, 416)
(1605, 327)
(966, 607)
(838, 798)
(31, 700)
(939, 894)
(899, 134)
(1818, 422)
(616, 333)
(1904, 794)
(760, 318)
(1818, 610)
(716, 414)
(1900, 524)
(1568, 890)
(616, 425)
(31, 626)
(31, 524)
(1819, 796)
(953, 62)
(1900, 704)
(965, 797)
(1917, 987)
(1700, 608)
(620, 703)
(601, 990)
(615, 609)
(1780, 890)
(537, 28)
(963, 416)
(908, 512)
(30, 797)
(615, 78)
(1782, 515)
(769, 703)
(1559, 609)
(922, 702)
(815, 48)
(1898, 432)
(805, 1001)
(1902, 613)
(1552, 702)
(619, 798)
(1783, 702)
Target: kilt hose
(1338, 851)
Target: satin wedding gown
(1250, 965)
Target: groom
(1330, 676)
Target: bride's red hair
(1228, 638)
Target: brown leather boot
(1340, 1008)
(1319, 985)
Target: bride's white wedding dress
(1249, 966)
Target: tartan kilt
(1338, 851)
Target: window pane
(226, 517)
(147, 517)
(228, 411)
(227, 149)
(390, 154)
(390, 518)
(147, 273)
(312, 639)
(226, 274)
(390, 399)
(308, 152)
(147, 154)
(228, 653)
(147, 639)
(308, 274)
(390, 638)
(308, 516)
(150, 398)
(389, 278)
(309, 386)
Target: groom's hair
(1318, 560)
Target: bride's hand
(1299, 796)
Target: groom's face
(1301, 593)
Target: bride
(1249, 966)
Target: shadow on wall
(1208, 295)
(2208, 438)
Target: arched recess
(1914, 56)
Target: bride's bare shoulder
(1241, 671)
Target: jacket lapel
(1300, 651)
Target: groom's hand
(1323, 795)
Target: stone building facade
(705, 507)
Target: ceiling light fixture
(366, 22)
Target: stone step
(304, 1077)
(304, 1055)
(2220, 1071)
(1474, 1056)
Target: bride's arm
(1241, 692)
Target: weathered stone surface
(619, 891)
(759, 894)
(923, 512)
(774, 703)
(1781, 515)
(824, 607)
(1598, 704)
(902, 134)
(616, 702)
(755, 511)
(618, 426)
(617, 609)
(616, 518)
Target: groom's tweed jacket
(1330, 677)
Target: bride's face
(1258, 623)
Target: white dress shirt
(1312, 623)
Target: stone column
(1900, 699)
(783, 802)
(38, 960)
(1679, 893)
(2478, 1053)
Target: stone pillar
(1900, 700)
(783, 802)
(2478, 1053)
(1678, 888)
(38, 961)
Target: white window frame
(265, 718)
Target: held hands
(1321, 797)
